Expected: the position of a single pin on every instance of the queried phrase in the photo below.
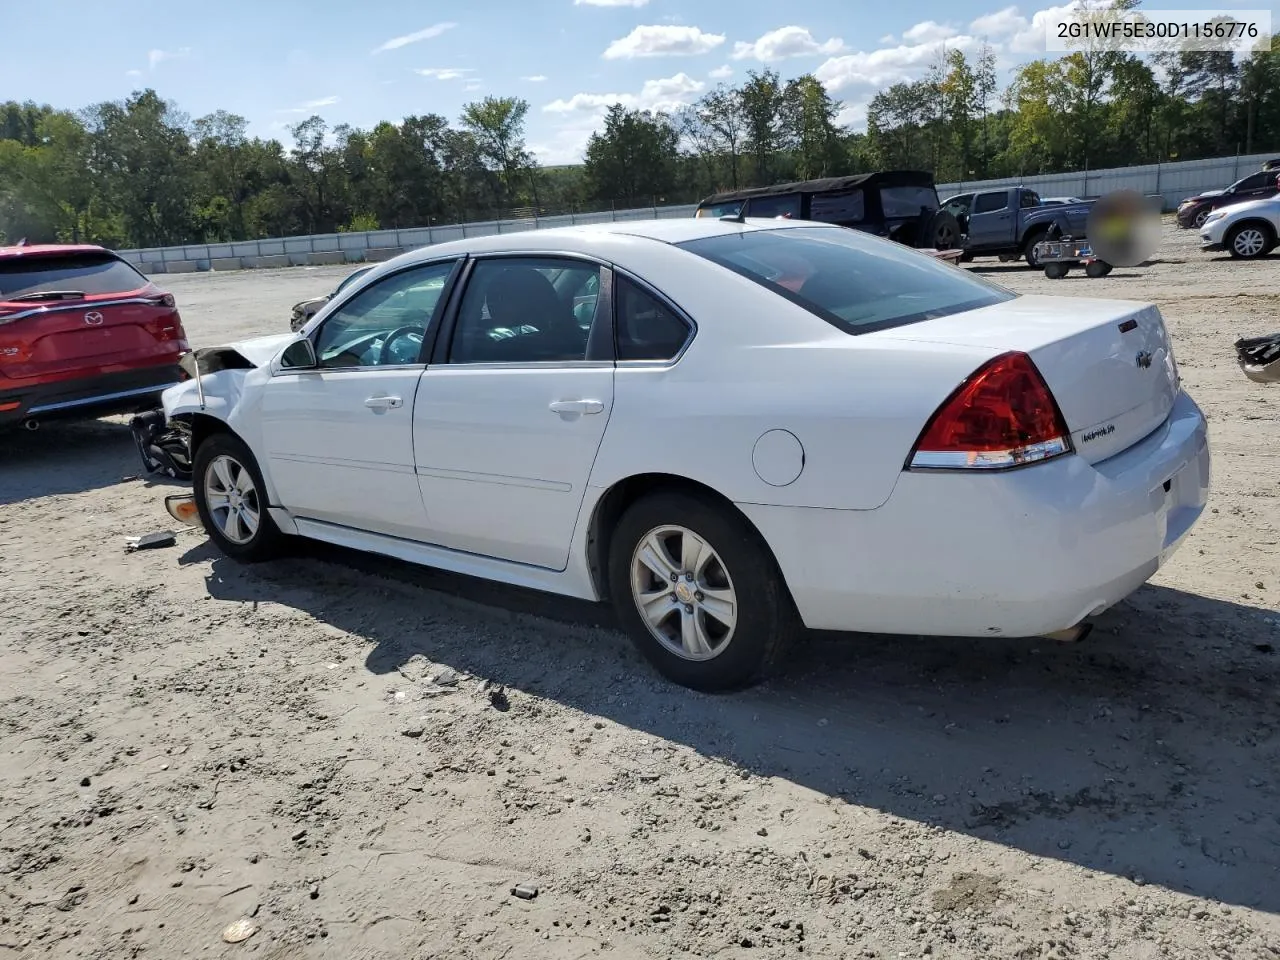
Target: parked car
(1193, 211)
(82, 334)
(304, 310)
(1009, 222)
(1245, 230)
(899, 204)
(762, 424)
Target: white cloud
(311, 105)
(609, 3)
(1015, 32)
(157, 57)
(395, 43)
(473, 85)
(536, 78)
(669, 93)
(444, 73)
(663, 40)
(927, 32)
(854, 114)
(133, 73)
(888, 65)
(786, 42)
(721, 73)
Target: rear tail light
(1002, 416)
(164, 300)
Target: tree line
(141, 173)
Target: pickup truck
(1008, 223)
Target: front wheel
(1249, 241)
(231, 499)
(699, 593)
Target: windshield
(83, 273)
(900, 202)
(729, 209)
(854, 281)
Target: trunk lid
(1108, 363)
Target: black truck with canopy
(899, 204)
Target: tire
(733, 559)
(943, 232)
(1029, 249)
(1198, 221)
(1249, 240)
(1097, 269)
(221, 458)
(1056, 270)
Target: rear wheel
(1029, 249)
(1097, 268)
(1056, 271)
(698, 592)
(1248, 241)
(231, 499)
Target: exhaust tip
(31, 423)
(1071, 634)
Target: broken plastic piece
(151, 541)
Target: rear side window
(730, 209)
(846, 207)
(647, 328)
(84, 273)
(855, 282)
(900, 202)
(1028, 198)
(784, 206)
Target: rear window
(787, 205)
(86, 273)
(852, 280)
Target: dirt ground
(308, 746)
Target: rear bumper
(1022, 554)
(87, 397)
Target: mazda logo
(93, 318)
(1143, 359)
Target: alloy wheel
(1249, 242)
(232, 499)
(684, 593)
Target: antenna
(735, 217)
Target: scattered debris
(525, 891)
(150, 541)
(413, 731)
(240, 930)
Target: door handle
(576, 406)
(382, 403)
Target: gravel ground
(310, 746)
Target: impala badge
(1143, 360)
(93, 318)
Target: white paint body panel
(507, 489)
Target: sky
(276, 62)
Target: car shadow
(66, 457)
(1148, 751)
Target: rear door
(78, 314)
(511, 412)
(991, 222)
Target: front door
(991, 220)
(338, 438)
(506, 426)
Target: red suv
(82, 334)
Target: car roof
(585, 238)
(49, 249)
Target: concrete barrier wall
(1170, 181)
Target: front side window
(991, 202)
(647, 328)
(784, 206)
(1256, 182)
(901, 202)
(384, 324)
(959, 206)
(856, 282)
(526, 310)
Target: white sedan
(1245, 230)
(728, 429)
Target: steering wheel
(384, 355)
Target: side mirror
(299, 355)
